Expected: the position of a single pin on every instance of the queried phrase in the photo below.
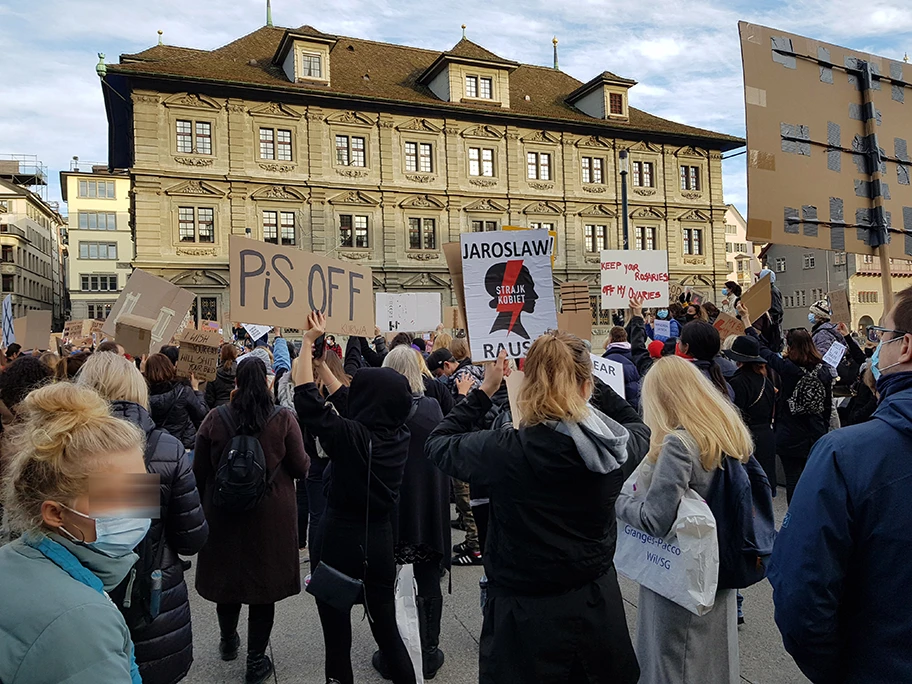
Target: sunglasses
(876, 332)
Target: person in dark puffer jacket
(164, 649)
(218, 391)
(175, 408)
(617, 349)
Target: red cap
(655, 349)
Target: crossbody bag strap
(759, 396)
(370, 455)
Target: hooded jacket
(620, 352)
(218, 391)
(824, 335)
(552, 490)
(840, 568)
(178, 410)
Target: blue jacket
(840, 569)
(675, 331)
(631, 374)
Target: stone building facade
(380, 154)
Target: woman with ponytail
(550, 547)
(700, 343)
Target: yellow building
(742, 255)
(100, 239)
(866, 287)
(382, 153)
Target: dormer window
(482, 75)
(471, 86)
(303, 55)
(311, 65)
(604, 97)
(616, 103)
(479, 87)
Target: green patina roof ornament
(101, 69)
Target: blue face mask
(725, 292)
(876, 370)
(811, 318)
(662, 313)
(115, 536)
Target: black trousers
(793, 467)
(259, 623)
(427, 579)
(301, 495)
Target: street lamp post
(624, 169)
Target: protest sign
(728, 325)
(552, 233)
(149, 296)
(213, 326)
(839, 307)
(834, 354)
(574, 296)
(135, 334)
(662, 328)
(33, 330)
(609, 372)
(510, 301)
(408, 311)
(758, 299)
(9, 332)
(634, 273)
(453, 318)
(256, 331)
(514, 383)
(453, 253)
(199, 354)
(280, 286)
(577, 323)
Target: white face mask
(115, 536)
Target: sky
(684, 55)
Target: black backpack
(135, 595)
(241, 480)
(809, 396)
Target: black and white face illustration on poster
(508, 290)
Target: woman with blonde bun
(693, 434)
(70, 469)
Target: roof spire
(160, 32)
(554, 41)
(463, 30)
(906, 58)
(268, 13)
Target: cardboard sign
(609, 372)
(149, 296)
(514, 383)
(256, 331)
(758, 299)
(834, 354)
(510, 301)
(408, 311)
(453, 253)
(9, 332)
(33, 330)
(135, 334)
(728, 325)
(634, 273)
(453, 318)
(199, 354)
(574, 296)
(839, 305)
(213, 326)
(662, 328)
(577, 323)
(280, 286)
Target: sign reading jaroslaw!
(634, 273)
(149, 296)
(199, 353)
(509, 291)
(280, 286)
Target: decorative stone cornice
(692, 195)
(419, 178)
(353, 173)
(354, 255)
(595, 188)
(541, 186)
(196, 251)
(646, 192)
(422, 256)
(194, 161)
(483, 182)
(277, 168)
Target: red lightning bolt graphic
(509, 280)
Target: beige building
(31, 250)
(100, 239)
(380, 154)
(866, 287)
(742, 256)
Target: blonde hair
(404, 360)
(459, 348)
(677, 395)
(114, 378)
(63, 433)
(557, 368)
(729, 341)
(51, 360)
(422, 364)
(442, 341)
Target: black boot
(259, 668)
(228, 646)
(430, 611)
(379, 663)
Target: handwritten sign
(834, 354)
(728, 325)
(662, 328)
(634, 273)
(198, 354)
(274, 285)
(839, 305)
(408, 311)
(256, 331)
(609, 372)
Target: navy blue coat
(631, 374)
(840, 568)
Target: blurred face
(691, 311)
(330, 339)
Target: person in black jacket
(366, 426)
(553, 611)
(176, 408)
(218, 391)
(164, 649)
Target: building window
(96, 189)
(8, 283)
(419, 157)
(839, 259)
(809, 261)
(7, 254)
(97, 250)
(780, 264)
(616, 103)
(99, 283)
(422, 233)
(690, 177)
(643, 174)
(487, 88)
(693, 241)
(471, 86)
(353, 231)
(311, 65)
(271, 227)
(541, 226)
(596, 238)
(350, 150)
(275, 144)
(99, 311)
(538, 165)
(479, 87)
(592, 169)
(484, 226)
(646, 237)
(287, 224)
(481, 161)
(97, 220)
(4, 206)
(194, 136)
(196, 225)
(730, 229)
(867, 297)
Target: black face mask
(690, 317)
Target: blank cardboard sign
(33, 330)
(134, 334)
(149, 296)
(758, 299)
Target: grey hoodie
(601, 441)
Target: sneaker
(228, 648)
(463, 548)
(740, 620)
(469, 558)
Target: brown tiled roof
(393, 72)
(159, 53)
(469, 50)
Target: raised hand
(316, 323)
(494, 374)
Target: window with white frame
(98, 283)
(486, 88)
(536, 225)
(538, 165)
(646, 237)
(422, 233)
(311, 65)
(419, 157)
(809, 261)
(471, 86)
(99, 311)
(592, 169)
(643, 174)
(780, 265)
(481, 161)
(730, 229)
(690, 177)
(279, 224)
(97, 220)
(352, 231)
(97, 250)
(595, 238)
(350, 150)
(839, 258)
(484, 226)
(196, 224)
(194, 137)
(693, 241)
(275, 143)
(96, 189)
